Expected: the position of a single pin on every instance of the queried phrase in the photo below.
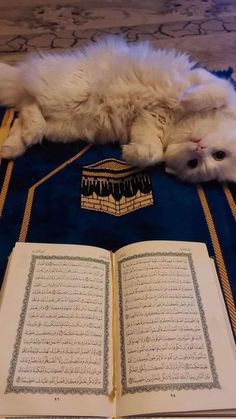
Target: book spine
(112, 394)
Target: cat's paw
(207, 96)
(142, 154)
(191, 100)
(12, 148)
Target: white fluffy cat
(152, 101)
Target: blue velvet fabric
(57, 216)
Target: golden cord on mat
(4, 132)
(6, 125)
(5, 186)
(219, 257)
(30, 196)
(230, 199)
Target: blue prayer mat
(74, 193)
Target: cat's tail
(12, 91)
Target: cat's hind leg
(28, 129)
(33, 124)
(13, 145)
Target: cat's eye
(218, 155)
(192, 163)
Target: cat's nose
(199, 148)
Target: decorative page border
(11, 388)
(156, 387)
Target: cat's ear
(207, 96)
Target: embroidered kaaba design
(114, 187)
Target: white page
(54, 367)
(214, 387)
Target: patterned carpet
(204, 28)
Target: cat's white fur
(152, 101)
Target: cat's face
(203, 149)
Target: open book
(88, 333)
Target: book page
(56, 337)
(173, 345)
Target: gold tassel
(6, 125)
